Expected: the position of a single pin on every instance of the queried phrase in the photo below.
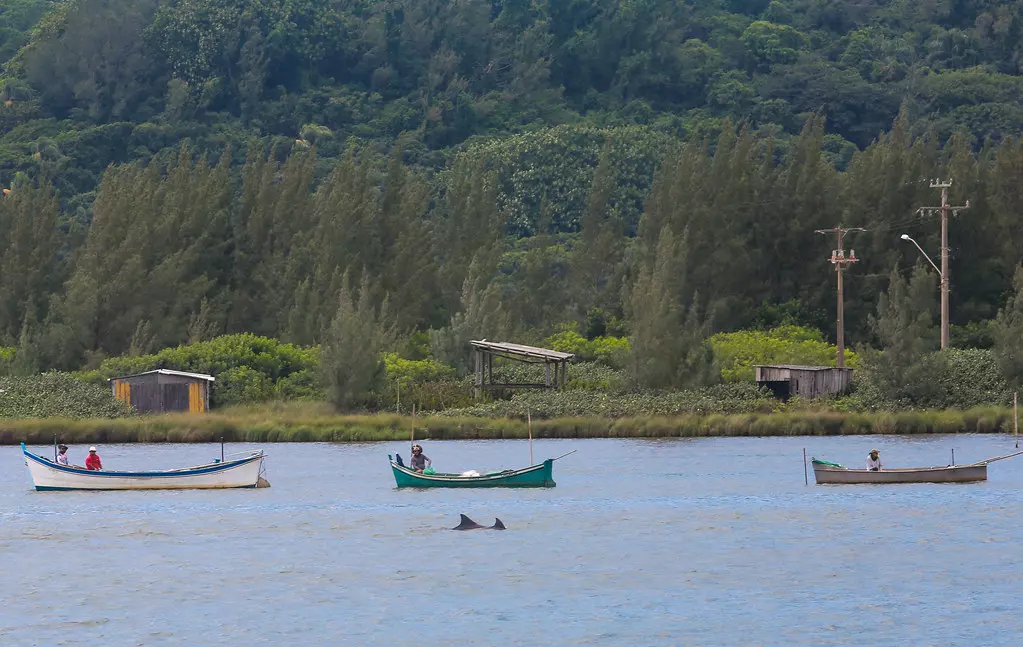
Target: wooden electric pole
(943, 210)
(840, 260)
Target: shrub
(738, 352)
(951, 379)
(610, 351)
(57, 395)
(426, 383)
(720, 398)
(248, 368)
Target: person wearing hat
(420, 461)
(93, 462)
(62, 456)
(874, 461)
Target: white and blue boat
(245, 472)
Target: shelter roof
(167, 371)
(798, 367)
(520, 351)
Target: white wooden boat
(827, 473)
(245, 472)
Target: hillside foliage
(623, 179)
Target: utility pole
(840, 260)
(943, 210)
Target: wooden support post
(478, 361)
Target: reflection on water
(688, 542)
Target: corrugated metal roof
(167, 371)
(520, 350)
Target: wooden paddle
(997, 458)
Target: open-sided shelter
(555, 365)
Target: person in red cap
(93, 462)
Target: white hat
(92, 449)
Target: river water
(643, 542)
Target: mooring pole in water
(953, 457)
(806, 477)
(221, 449)
(529, 430)
(412, 437)
(1015, 419)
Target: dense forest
(413, 173)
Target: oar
(997, 458)
(564, 455)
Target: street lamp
(944, 290)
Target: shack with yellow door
(164, 390)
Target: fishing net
(820, 462)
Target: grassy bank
(313, 422)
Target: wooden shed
(164, 390)
(787, 380)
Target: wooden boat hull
(241, 473)
(829, 475)
(540, 475)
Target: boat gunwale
(492, 476)
(896, 470)
(209, 468)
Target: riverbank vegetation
(325, 203)
(306, 423)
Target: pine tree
(1008, 334)
(351, 363)
(595, 261)
(29, 262)
(904, 325)
(480, 316)
(669, 347)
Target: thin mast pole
(529, 430)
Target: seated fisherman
(419, 461)
(874, 461)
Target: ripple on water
(697, 541)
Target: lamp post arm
(936, 269)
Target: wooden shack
(787, 380)
(164, 390)
(555, 365)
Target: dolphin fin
(498, 525)
(467, 524)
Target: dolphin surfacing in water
(468, 524)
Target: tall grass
(314, 422)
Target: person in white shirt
(874, 461)
(62, 456)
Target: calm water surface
(669, 542)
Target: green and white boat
(540, 475)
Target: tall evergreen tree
(1008, 334)
(904, 324)
(29, 262)
(669, 347)
(351, 363)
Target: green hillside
(413, 173)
